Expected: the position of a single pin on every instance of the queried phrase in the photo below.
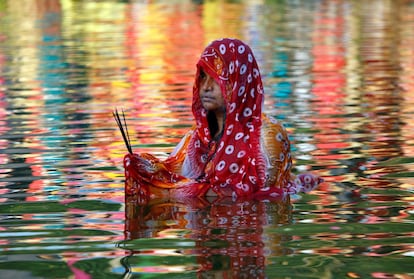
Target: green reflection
(44, 269)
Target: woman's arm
(175, 161)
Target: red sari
(252, 158)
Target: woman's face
(210, 93)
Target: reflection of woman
(234, 149)
(229, 239)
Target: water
(340, 74)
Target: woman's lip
(207, 98)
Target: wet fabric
(251, 159)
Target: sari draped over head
(235, 162)
(251, 158)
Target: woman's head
(231, 64)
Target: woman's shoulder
(272, 125)
(274, 136)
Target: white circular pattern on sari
(220, 166)
(255, 73)
(279, 137)
(243, 69)
(222, 49)
(197, 144)
(242, 186)
(239, 136)
(247, 112)
(241, 91)
(223, 184)
(234, 168)
(241, 49)
(250, 57)
(231, 67)
(229, 149)
(241, 154)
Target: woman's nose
(207, 83)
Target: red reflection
(228, 235)
(328, 88)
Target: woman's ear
(201, 74)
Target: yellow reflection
(379, 75)
(219, 20)
(25, 35)
(328, 90)
(166, 43)
(159, 269)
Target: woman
(233, 149)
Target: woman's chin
(209, 106)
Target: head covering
(234, 165)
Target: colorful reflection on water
(340, 74)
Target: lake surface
(339, 74)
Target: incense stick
(124, 131)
